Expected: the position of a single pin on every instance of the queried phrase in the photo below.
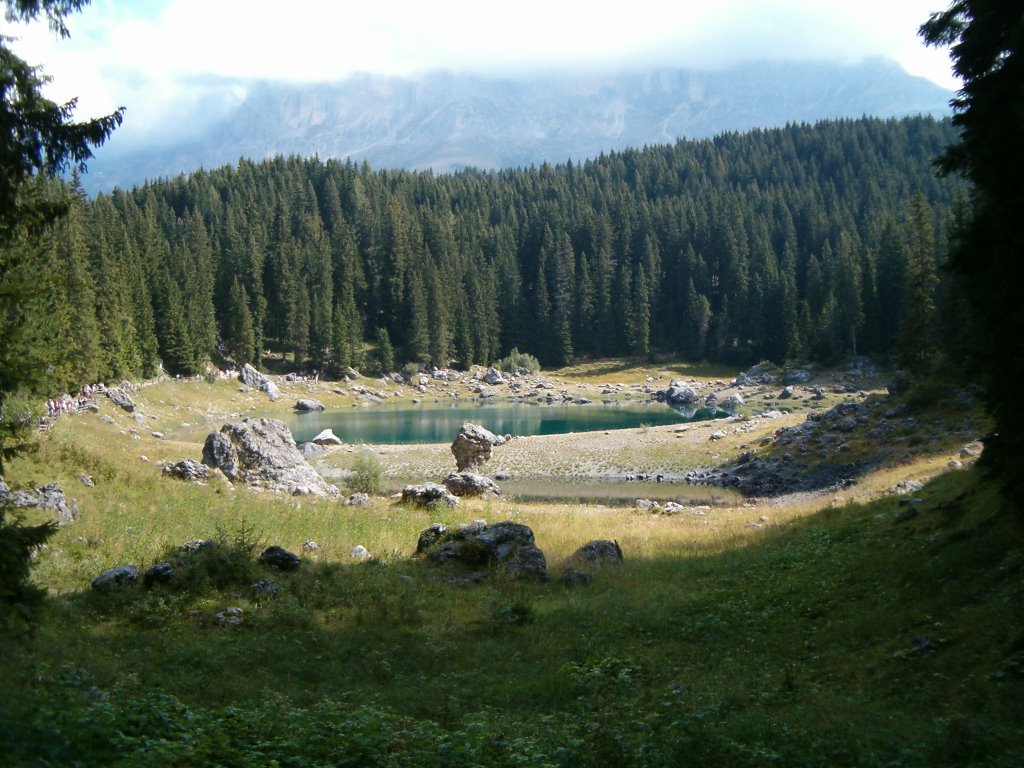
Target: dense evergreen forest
(804, 242)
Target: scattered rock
(972, 450)
(473, 445)
(264, 587)
(161, 573)
(253, 378)
(955, 464)
(187, 469)
(428, 495)
(121, 399)
(359, 552)
(115, 578)
(677, 393)
(493, 377)
(470, 484)
(573, 578)
(796, 376)
(310, 546)
(307, 405)
(280, 559)
(717, 435)
(312, 450)
(647, 505)
(50, 497)
(907, 486)
(672, 508)
(228, 617)
(357, 500)
(327, 437)
(732, 403)
(507, 547)
(87, 481)
(594, 555)
(261, 453)
(786, 393)
(908, 513)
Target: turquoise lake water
(440, 424)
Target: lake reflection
(439, 424)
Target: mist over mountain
(448, 122)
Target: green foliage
(367, 474)
(385, 352)
(19, 543)
(987, 47)
(516, 360)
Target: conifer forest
(802, 242)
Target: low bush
(367, 474)
(518, 361)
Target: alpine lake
(439, 423)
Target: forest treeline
(803, 242)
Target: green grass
(830, 634)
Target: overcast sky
(148, 54)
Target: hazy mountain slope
(447, 122)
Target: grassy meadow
(812, 629)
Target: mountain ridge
(448, 122)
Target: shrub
(367, 474)
(518, 361)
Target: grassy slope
(830, 635)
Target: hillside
(846, 628)
(447, 122)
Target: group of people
(66, 403)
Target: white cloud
(147, 55)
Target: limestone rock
(187, 469)
(359, 552)
(261, 453)
(732, 403)
(327, 437)
(311, 450)
(50, 497)
(470, 484)
(493, 377)
(253, 378)
(507, 547)
(161, 573)
(428, 495)
(677, 393)
(357, 500)
(594, 555)
(473, 445)
(280, 559)
(228, 617)
(115, 578)
(309, 404)
(121, 398)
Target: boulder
(280, 559)
(265, 587)
(677, 393)
(786, 393)
(228, 617)
(357, 500)
(161, 573)
(470, 484)
(594, 555)
(121, 399)
(49, 497)
(796, 376)
(493, 377)
(253, 378)
(327, 437)
(573, 578)
(506, 547)
(187, 469)
(428, 495)
(115, 578)
(473, 445)
(309, 404)
(262, 454)
(359, 552)
(732, 403)
(311, 450)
